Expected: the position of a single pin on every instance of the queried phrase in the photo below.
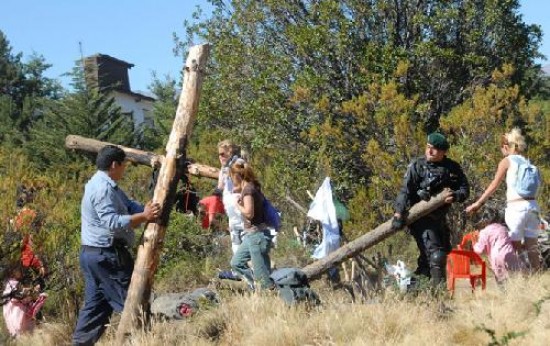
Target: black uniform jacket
(446, 173)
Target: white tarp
(322, 209)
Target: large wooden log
(136, 156)
(353, 248)
(148, 252)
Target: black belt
(96, 249)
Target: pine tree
(88, 112)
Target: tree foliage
(164, 110)
(87, 112)
(23, 91)
(319, 86)
(347, 89)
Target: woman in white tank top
(229, 153)
(521, 214)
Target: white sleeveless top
(511, 177)
(230, 205)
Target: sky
(139, 32)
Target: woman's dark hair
(489, 215)
(107, 155)
(244, 170)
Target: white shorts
(522, 219)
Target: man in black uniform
(427, 176)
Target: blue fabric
(528, 177)
(272, 216)
(107, 280)
(106, 212)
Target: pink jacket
(19, 314)
(495, 242)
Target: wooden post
(353, 248)
(148, 252)
(137, 156)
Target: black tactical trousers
(433, 240)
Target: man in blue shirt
(108, 221)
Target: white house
(111, 75)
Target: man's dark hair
(107, 155)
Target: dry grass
(517, 316)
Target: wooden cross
(172, 166)
(137, 156)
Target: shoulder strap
(519, 159)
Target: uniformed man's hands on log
(449, 196)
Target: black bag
(293, 286)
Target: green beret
(438, 141)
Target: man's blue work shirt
(106, 211)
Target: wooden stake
(146, 263)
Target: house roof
(135, 94)
(105, 56)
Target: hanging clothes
(323, 210)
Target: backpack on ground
(528, 178)
(293, 286)
(272, 215)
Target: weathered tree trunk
(353, 248)
(148, 252)
(136, 156)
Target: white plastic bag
(401, 274)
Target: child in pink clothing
(21, 304)
(496, 243)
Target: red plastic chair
(459, 265)
(468, 240)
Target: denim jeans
(255, 247)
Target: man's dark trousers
(433, 240)
(107, 273)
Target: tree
(11, 100)
(164, 110)
(11, 71)
(24, 89)
(313, 79)
(87, 112)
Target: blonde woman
(522, 213)
(257, 236)
(228, 154)
(226, 151)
